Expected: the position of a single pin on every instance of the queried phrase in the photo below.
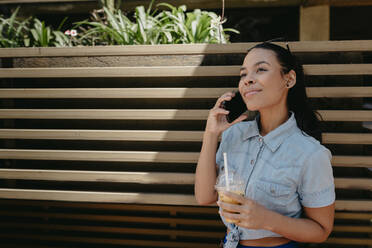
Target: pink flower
(73, 32)
(67, 32)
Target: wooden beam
(353, 183)
(347, 138)
(99, 176)
(205, 4)
(107, 241)
(180, 93)
(119, 156)
(120, 135)
(152, 135)
(314, 22)
(90, 196)
(182, 49)
(353, 205)
(111, 229)
(169, 71)
(114, 218)
(154, 114)
(139, 177)
(143, 198)
(141, 156)
(349, 241)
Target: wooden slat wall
(104, 153)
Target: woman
(289, 194)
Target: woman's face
(261, 72)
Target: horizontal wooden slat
(154, 114)
(91, 196)
(144, 231)
(353, 216)
(163, 208)
(346, 115)
(338, 92)
(352, 161)
(139, 177)
(114, 218)
(108, 241)
(112, 72)
(349, 241)
(353, 205)
(338, 69)
(142, 198)
(152, 135)
(176, 244)
(127, 156)
(142, 156)
(183, 93)
(135, 93)
(183, 49)
(99, 176)
(169, 71)
(123, 135)
(147, 219)
(361, 229)
(347, 138)
(138, 156)
(122, 230)
(108, 114)
(353, 183)
(174, 209)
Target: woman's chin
(252, 108)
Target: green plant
(111, 26)
(13, 32)
(44, 36)
(195, 27)
(173, 26)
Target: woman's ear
(291, 79)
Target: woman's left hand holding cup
(248, 214)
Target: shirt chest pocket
(272, 195)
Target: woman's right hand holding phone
(217, 122)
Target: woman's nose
(249, 80)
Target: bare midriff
(265, 242)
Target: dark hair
(297, 100)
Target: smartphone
(237, 107)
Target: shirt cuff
(319, 199)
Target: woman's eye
(261, 69)
(243, 75)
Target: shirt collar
(276, 137)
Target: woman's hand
(217, 121)
(248, 214)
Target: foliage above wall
(111, 26)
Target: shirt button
(252, 161)
(260, 139)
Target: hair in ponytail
(297, 100)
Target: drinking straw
(226, 171)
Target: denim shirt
(284, 171)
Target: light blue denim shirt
(283, 170)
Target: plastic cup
(236, 185)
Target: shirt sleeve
(317, 187)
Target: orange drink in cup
(235, 184)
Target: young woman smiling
(289, 192)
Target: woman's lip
(251, 93)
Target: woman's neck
(271, 119)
